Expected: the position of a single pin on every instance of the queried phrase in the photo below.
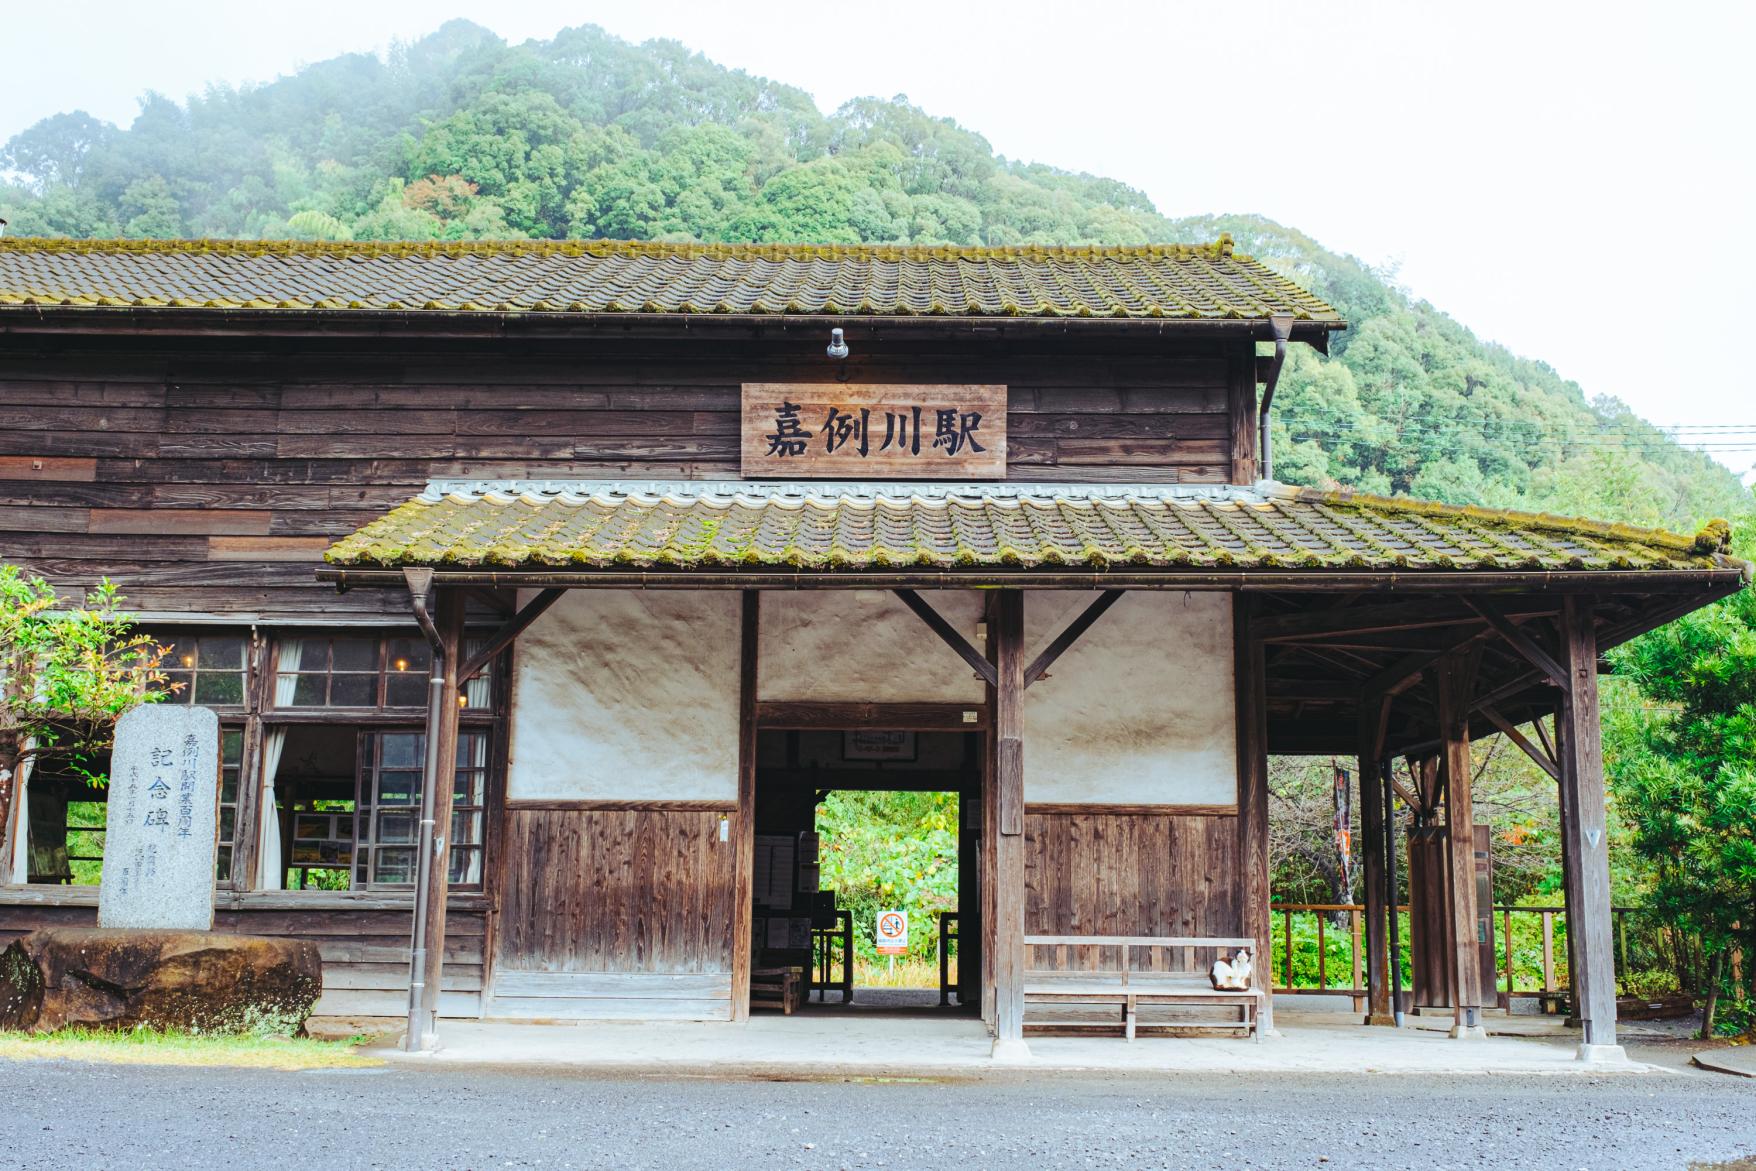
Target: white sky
(1573, 180)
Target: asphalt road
(64, 1115)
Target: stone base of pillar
(1381, 1018)
(1603, 1054)
(1010, 1052)
(1468, 1033)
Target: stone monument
(161, 832)
(154, 959)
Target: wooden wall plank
(161, 441)
(615, 890)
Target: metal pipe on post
(427, 936)
(1282, 325)
(420, 1028)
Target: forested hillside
(461, 136)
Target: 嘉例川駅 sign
(835, 431)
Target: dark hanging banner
(834, 431)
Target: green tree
(150, 211)
(65, 675)
(1684, 771)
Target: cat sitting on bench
(1233, 976)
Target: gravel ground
(61, 1114)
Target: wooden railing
(1513, 940)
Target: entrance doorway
(851, 822)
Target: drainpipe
(421, 1024)
(1282, 324)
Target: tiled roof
(1171, 282)
(694, 525)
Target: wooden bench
(1112, 976)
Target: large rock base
(202, 981)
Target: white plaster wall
(627, 695)
(865, 647)
(1141, 710)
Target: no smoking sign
(892, 933)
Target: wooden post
(1456, 683)
(247, 813)
(990, 822)
(1008, 931)
(438, 780)
(743, 829)
(1372, 839)
(1250, 679)
(1593, 977)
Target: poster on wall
(838, 431)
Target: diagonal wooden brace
(502, 638)
(1521, 642)
(1040, 665)
(949, 634)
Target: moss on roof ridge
(1216, 250)
(1714, 537)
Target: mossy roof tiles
(684, 526)
(1173, 282)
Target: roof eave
(1708, 583)
(183, 321)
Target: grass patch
(150, 1047)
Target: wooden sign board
(837, 431)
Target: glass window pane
(353, 654)
(221, 652)
(229, 788)
(226, 820)
(466, 866)
(231, 747)
(468, 789)
(393, 865)
(223, 865)
(405, 689)
(353, 691)
(466, 828)
(402, 749)
(221, 687)
(177, 686)
(399, 788)
(182, 656)
(309, 691)
(396, 827)
(408, 654)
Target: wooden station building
(621, 538)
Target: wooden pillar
(1456, 684)
(438, 780)
(1250, 680)
(1372, 840)
(1008, 931)
(743, 827)
(1567, 866)
(1593, 975)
